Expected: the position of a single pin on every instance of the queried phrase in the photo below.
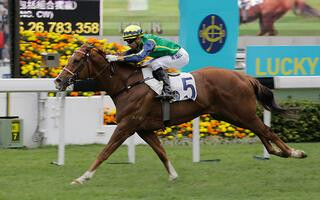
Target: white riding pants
(179, 60)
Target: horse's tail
(265, 97)
(300, 7)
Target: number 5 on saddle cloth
(182, 85)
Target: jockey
(165, 54)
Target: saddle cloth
(183, 85)
(247, 4)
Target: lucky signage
(268, 61)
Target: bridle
(83, 61)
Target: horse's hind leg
(254, 125)
(263, 28)
(269, 146)
(151, 138)
(267, 25)
(267, 135)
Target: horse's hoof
(76, 182)
(173, 178)
(298, 154)
(303, 154)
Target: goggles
(130, 41)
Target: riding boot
(163, 76)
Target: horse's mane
(98, 48)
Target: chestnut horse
(225, 94)
(270, 11)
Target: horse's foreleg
(155, 144)
(121, 133)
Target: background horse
(270, 11)
(225, 94)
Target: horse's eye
(76, 61)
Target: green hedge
(302, 124)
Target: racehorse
(269, 11)
(225, 94)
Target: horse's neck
(113, 82)
(124, 70)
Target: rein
(128, 87)
(112, 65)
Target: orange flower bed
(33, 44)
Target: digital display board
(61, 16)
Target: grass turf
(27, 174)
(164, 13)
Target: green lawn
(165, 13)
(27, 174)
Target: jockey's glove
(111, 58)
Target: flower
(33, 44)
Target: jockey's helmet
(132, 32)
